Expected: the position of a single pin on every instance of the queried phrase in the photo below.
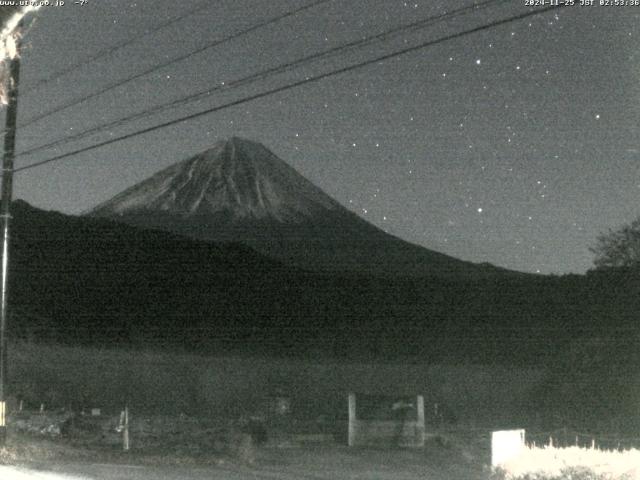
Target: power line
(264, 74)
(114, 48)
(181, 58)
(289, 86)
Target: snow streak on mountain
(238, 178)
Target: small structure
(505, 445)
(386, 420)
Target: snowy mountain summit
(237, 178)
(238, 191)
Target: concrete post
(420, 419)
(352, 419)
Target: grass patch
(229, 387)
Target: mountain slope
(238, 191)
(238, 179)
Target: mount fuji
(239, 191)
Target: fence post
(352, 419)
(421, 426)
(125, 432)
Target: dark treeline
(93, 282)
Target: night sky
(515, 145)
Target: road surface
(319, 463)
(128, 472)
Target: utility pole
(5, 217)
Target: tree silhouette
(618, 248)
